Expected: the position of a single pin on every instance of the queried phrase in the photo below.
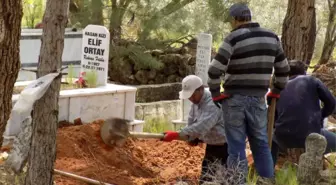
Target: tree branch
(170, 8)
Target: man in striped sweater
(247, 58)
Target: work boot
(265, 181)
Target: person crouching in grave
(205, 124)
(299, 113)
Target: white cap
(189, 84)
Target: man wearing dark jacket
(299, 112)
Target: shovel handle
(80, 178)
(147, 135)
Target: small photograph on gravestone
(95, 54)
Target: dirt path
(80, 151)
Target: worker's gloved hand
(194, 142)
(271, 95)
(170, 136)
(219, 99)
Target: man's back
(298, 111)
(249, 54)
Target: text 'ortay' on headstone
(203, 56)
(95, 52)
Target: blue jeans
(331, 140)
(246, 116)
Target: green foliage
(71, 74)
(286, 175)
(32, 12)
(157, 125)
(137, 55)
(168, 20)
(252, 176)
(91, 78)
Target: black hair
(243, 18)
(297, 68)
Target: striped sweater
(247, 58)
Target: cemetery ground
(148, 162)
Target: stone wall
(175, 68)
(170, 110)
(126, 65)
(160, 92)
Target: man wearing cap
(205, 123)
(247, 58)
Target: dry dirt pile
(80, 151)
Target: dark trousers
(280, 143)
(214, 155)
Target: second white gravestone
(203, 56)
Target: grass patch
(157, 125)
(286, 175)
(91, 77)
(71, 74)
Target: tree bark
(299, 30)
(97, 12)
(330, 36)
(10, 34)
(116, 18)
(45, 115)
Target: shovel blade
(114, 131)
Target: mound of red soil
(81, 151)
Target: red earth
(81, 151)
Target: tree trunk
(45, 115)
(116, 18)
(97, 12)
(328, 48)
(299, 30)
(330, 37)
(10, 34)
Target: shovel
(115, 131)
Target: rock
(120, 70)
(142, 76)
(171, 58)
(311, 162)
(172, 78)
(190, 70)
(170, 69)
(160, 79)
(78, 121)
(157, 52)
(151, 82)
(192, 60)
(152, 74)
(161, 92)
(183, 68)
(183, 50)
(179, 79)
(186, 58)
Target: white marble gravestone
(95, 52)
(203, 56)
